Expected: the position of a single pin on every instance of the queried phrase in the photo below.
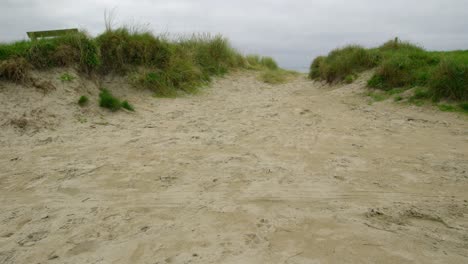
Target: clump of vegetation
(121, 48)
(403, 68)
(256, 62)
(66, 77)
(14, 69)
(343, 62)
(461, 107)
(83, 101)
(269, 63)
(377, 96)
(107, 100)
(350, 78)
(271, 73)
(447, 108)
(213, 55)
(166, 66)
(398, 98)
(399, 64)
(253, 62)
(450, 81)
(72, 49)
(186, 63)
(278, 76)
(317, 67)
(397, 44)
(128, 106)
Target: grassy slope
(401, 65)
(167, 67)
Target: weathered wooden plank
(33, 35)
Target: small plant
(107, 100)
(341, 63)
(15, 70)
(420, 93)
(464, 107)
(269, 63)
(461, 107)
(66, 77)
(316, 68)
(447, 108)
(350, 79)
(253, 62)
(276, 76)
(377, 96)
(83, 101)
(450, 80)
(398, 98)
(128, 106)
(396, 91)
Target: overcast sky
(292, 31)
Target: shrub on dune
(450, 81)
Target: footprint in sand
(32, 238)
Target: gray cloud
(293, 31)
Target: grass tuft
(401, 65)
(83, 101)
(107, 100)
(269, 63)
(166, 66)
(464, 106)
(66, 77)
(128, 106)
(447, 108)
(350, 78)
(14, 69)
(341, 63)
(278, 76)
(450, 81)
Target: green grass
(269, 63)
(447, 108)
(256, 62)
(461, 107)
(420, 93)
(74, 49)
(377, 96)
(14, 69)
(83, 101)
(341, 63)
(168, 67)
(277, 76)
(66, 77)
(128, 106)
(107, 100)
(350, 78)
(400, 65)
(271, 73)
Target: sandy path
(243, 173)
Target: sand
(243, 172)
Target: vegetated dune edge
(244, 172)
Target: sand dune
(242, 173)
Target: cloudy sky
(292, 31)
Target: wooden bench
(51, 33)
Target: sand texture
(243, 172)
